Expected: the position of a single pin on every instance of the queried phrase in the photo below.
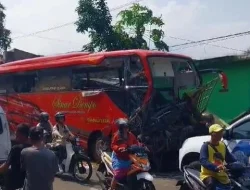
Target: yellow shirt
(222, 176)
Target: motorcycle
(235, 172)
(137, 177)
(74, 160)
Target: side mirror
(226, 135)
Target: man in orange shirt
(120, 158)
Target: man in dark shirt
(14, 177)
(39, 163)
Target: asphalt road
(162, 182)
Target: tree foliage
(132, 30)
(137, 19)
(5, 39)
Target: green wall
(227, 105)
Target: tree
(5, 39)
(94, 17)
(137, 18)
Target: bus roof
(44, 59)
(76, 59)
(140, 52)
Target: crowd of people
(31, 165)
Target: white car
(190, 150)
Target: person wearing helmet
(213, 156)
(60, 134)
(120, 159)
(45, 124)
(60, 130)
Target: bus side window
(79, 79)
(56, 79)
(24, 83)
(136, 74)
(136, 77)
(6, 82)
(105, 77)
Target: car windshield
(172, 75)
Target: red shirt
(117, 143)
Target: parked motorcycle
(74, 160)
(235, 172)
(137, 177)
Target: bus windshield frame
(170, 75)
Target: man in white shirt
(60, 134)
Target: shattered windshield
(171, 75)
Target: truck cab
(5, 142)
(234, 133)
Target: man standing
(14, 177)
(213, 155)
(39, 163)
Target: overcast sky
(186, 19)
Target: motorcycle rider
(213, 155)
(60, 134)
(120, 159)
(45, 124)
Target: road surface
(161, 182)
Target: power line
(49, 38)
(42, 31)
(199, 44)
(220, 38)
(219, 46)
(192, 41)
(178, 38)
(70, 23)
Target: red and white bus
(92, 89)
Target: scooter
(74, 160)
(235, 172)
(138, 176)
